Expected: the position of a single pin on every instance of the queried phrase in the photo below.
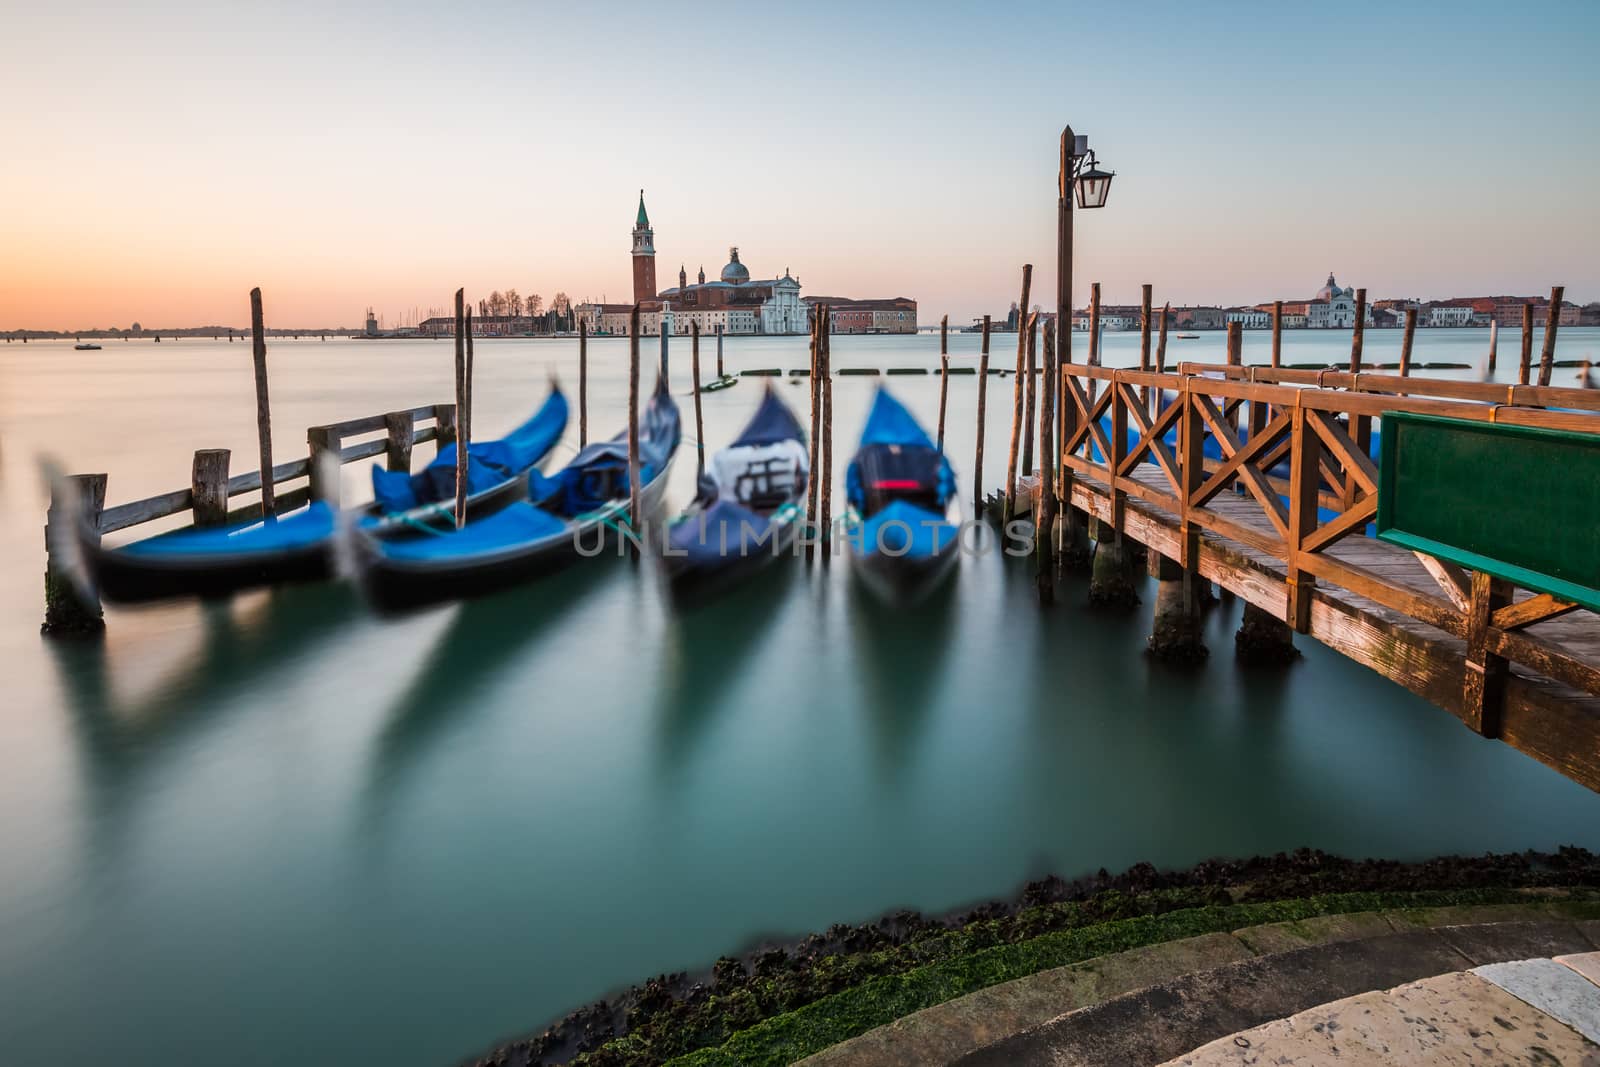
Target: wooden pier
(1512, 664)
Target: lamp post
(1080, 176)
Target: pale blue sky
(170, 155)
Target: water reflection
(479, 644)
(899, 656)
(241, 643)
(706, 647)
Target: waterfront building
(1333, 308)
(736, 302)
(1197, 318)
(845, 315)
(1249, 318)
(1447, 313)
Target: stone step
(1022, 1017)
(1166, 1020)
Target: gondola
(747, 510)
(298, 545)
(900, 489)
(566, 516)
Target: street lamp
(1094, 184)
(1080, 172)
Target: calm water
(279, 828)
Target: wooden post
(1044, 517)
(1161, 343)
(400, 427)
(1235, 344)
(826, 487)
(583, 382)
(1094, 328)
(663, 328)
(1359, 335)
(1305, 485)
(208, 483)
(720, 374)
(444, 421)
(325, 444)
(1494, 342)
(817, 326)
(699, 423)
(1484, 679)
(1527, 345)
(466, 412)
(1360, 425)
(1030, 388)
(1405, 342)
(1547, 354)
(258, 352)
(463, 417)
(983, 389)
(1064, 247)
(1144, 340)
(944, 373)
(1016, 394)
(70, 610)
(1144, 327)
(1277, 333)
(634, 507)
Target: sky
(162, 158)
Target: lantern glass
(1094, 185)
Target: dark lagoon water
(277, 831)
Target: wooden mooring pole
(1494, 343)
(1094, 327)
(827, 436)
(1526, 366)
(720, 374)
(1360, 332)
(583, 383)
(1030, 389)
(634, 517)
(816, 430)
(1547, 354)
(699, 423)
(258, 353)
(983, 389)
(1405, 342)
(1161, 343)
(1277, 333)
(461, 408)
(1016, 394)
(944, 373)
(1044, 515)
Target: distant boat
(1188, 337)
(86, 346)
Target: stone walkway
(1544, 1012)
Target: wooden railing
(1291, 443)
(71, 608)
(210, 483)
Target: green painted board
(1513, 501)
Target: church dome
(735, 273)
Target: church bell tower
(644, 257)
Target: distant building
(892, 315)
(734, 303)
(1450, 313)
(1248, 318)
(1332, 308)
